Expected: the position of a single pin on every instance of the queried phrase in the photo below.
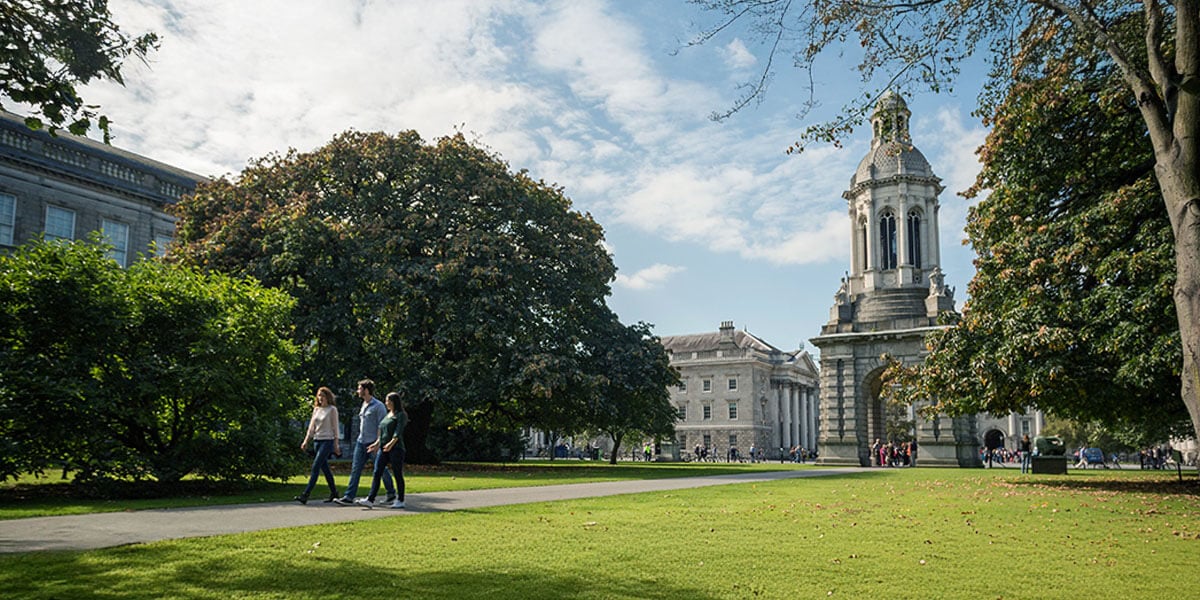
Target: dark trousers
(394, 460)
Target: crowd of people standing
(894, 454)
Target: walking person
(370, 414)
(1026, 448)
(390, 446)
(323, 433)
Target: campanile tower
(892, 296)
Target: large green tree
(909, 44)
(430, 267)
(632, 376)
(151, 371)
(49, 48)
(1070, 309)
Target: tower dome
(892, 152)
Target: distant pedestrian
(1026, 448)
(390, 448)
(323, 433)
(370, 414)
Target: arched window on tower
(863, 245)
(887, 240)
(914, 237)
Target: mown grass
(904, 533)
(48, 496)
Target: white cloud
(950, 142)
(648, 278)
(737, 56)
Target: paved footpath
(102, 530)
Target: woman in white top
(323, 432)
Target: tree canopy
(428, 267)
(48, 48)
(1071, 309)
(632, 373)
(908, 45)
(151, 371)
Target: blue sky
(706, 221)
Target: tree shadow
(1167, 483)
(166, 571)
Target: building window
(682, 386)
(8, 218)
(733, 440)
(1024, 426)
(681, 412)
(733, 410)
(161, 242)
(60, 223)
(706, 385)
(914, 238)
(707, 412)
(116, 235)
(733, 384)
(887, 240)
(707, 440)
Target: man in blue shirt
(370, 414)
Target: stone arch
(994, 438)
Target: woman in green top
(391, 450)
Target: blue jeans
(320, 464)
(383, 461)
(356, 469)
(1026, 457)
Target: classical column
(814, 399)
(795, 400)
(802, 418)
(785, 411)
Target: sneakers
(390, 499)
(302, 499)
(344, 501)
(398, 504)
(365, 503)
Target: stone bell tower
(890, 298)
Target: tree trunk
(1174, 127)
(616, 439)
(1181, 191)
(1187, 303)
(416, 434)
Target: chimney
(726, 331)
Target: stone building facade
(738, 391)
(891, 298)
(66, 186)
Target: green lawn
(46, 496)
(903, 533)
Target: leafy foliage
(154, 370)
(428, 267)
(1151, 46)
(50, 47)
(632, 375)
(1071, 307)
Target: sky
(706, 221)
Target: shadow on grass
(1164, 483)
(289, 572)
